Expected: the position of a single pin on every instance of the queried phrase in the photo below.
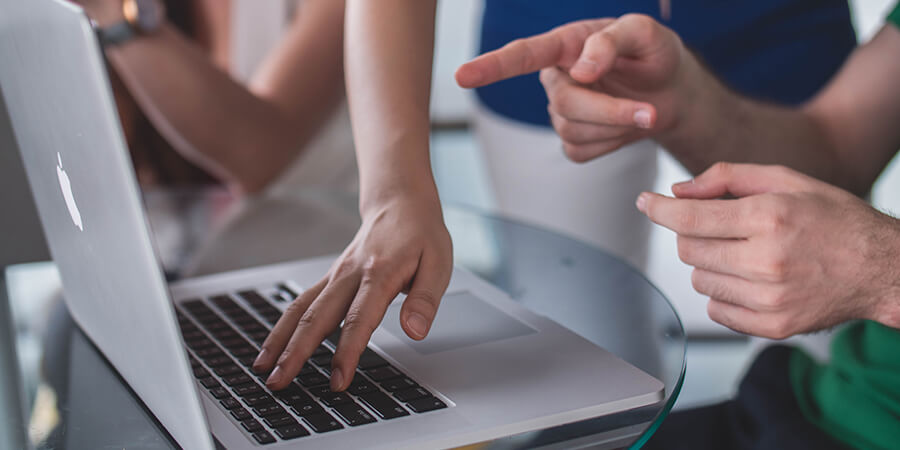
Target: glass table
(79, 401)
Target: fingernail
(275, 377)
(337, 379)
(642, 118)
(641, 202)
(417, 324)
(683, 184)
(585, 66)
(259, 359)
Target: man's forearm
(388, 55)
(720, 125)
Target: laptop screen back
(63, 117)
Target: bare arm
(245, 135)
(402, 244)
(389, 48)
(846, 135)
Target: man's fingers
(320, 319)
(582, 153)
(281, 333)
(631, 35)
(747, 321)
(574, 132)
(558, 47)
(723, 219)
(576, 102)
(421, 304)
(726, 256)
(365, 314)
(740, 180)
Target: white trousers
(533, 181)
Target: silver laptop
(488, 369)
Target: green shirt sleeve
(894, 16)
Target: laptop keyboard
(223, 338)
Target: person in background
(403, 244)
(171, 63)
(779, 249)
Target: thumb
(739, 180)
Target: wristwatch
(142, 17)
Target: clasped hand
(790, 254)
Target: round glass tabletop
(581, 287)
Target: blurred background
(716, 356)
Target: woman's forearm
(388, 59)
(245, 136)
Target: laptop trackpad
(463, 320)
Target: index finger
(722, 219)
(558, 47)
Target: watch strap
(116, 34)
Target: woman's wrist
(421, 190)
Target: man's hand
(610, 81)
(401, 247)
(789, 255)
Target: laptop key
(227, 370)
(219, 392)
(280, 421)
(354, 414)
(426, 404)
(200, 372)
(263, 437)
(384, 406)
(292, 398)
(335, 398)
(234, 380)
(209, 353)
(322, 422)
(370, 360)
(380, 374)
(252, 425)
(247, 350)
(269, 410)
(291, 432)
(360, 386)
(230, 403)
(307, 369)
(261, 399)
(286, 289)
(308, 409)
(411, 394)
(312, 379)
(247, 389)
(241, 414)
(321, 391)
(218, 361)
(247, 361)
(321, 350)
(323, 360)
(398, 384)
(209, 382)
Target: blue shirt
(778, 50)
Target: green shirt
(894, 16)
(856, 396)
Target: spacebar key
(354, 414)
(383, 405)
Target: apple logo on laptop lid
(66, 188)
